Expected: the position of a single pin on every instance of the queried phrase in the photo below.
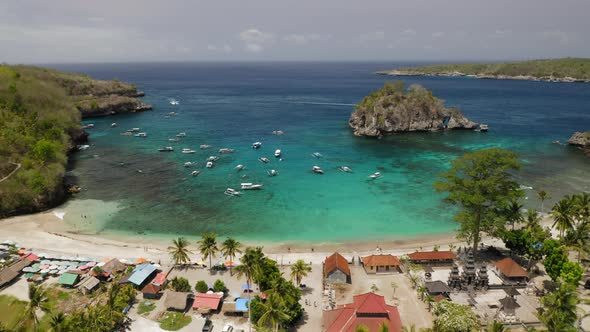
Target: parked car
(208, 326)
(227, 328)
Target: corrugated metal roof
(141, 273)
(68, 279)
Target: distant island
(394, 109)
(549, 70)
(40, 124)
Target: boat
(83, 147)
(277, 153)
(277, 132)
(166, 149)
(317, 169)
(188, 151)
(232, 192)
(173, 102)
(240, 167)
(113, 125)
(482, 127)
(189, 164)
(375, 175)
(181, 135)
(345, 169)
(176, 139)
(133, 130)
(141, 135)
(317, 154)
(256, 145)
(213, 158)
(127, 133)
(272, 172)
(209, 164)
(250, 186)
(172, 114)
(264, 159)
(88, 126)
(195, 173)
(204, 146)
(226, 150)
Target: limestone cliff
(581, 140)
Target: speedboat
(209, 164)
(277, 132)
(272, 172)
(176, 139)
(256, 145)
(204, 146)
(250, 186)
(173, 102)
(226, 150)
(189, 164)
(375, 175)
(141, 135)
(232, 192)
(345, 169)
(213, 158)
(187, 151)
(277, 153)
(317, 154)
(133, 130)
(195, 173)
(317, 169)
(166, 149)
(113, 125)
(264, 159)
(181, 135)
(240, 167)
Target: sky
(70, 31)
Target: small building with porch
(432, 257)
(438, 288)
(384, 263)
(511, 271)
(206, 302)
(336, 269)
(177, 301)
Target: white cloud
(254, 39)
(301, 39)
(437, 34)
(372, 36)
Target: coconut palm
(299, 270)
(532, 220)
(411, 328)
(208, 246)
(496, 326)
(249, 264)
(559, 312)
(273, 312)
(179, 251)
(578, 237)
(512, 213)
(582, 203)
(229, 248)
(57, 322)
(37, 301)
(543, 195)
(562, 215)
(414, 279)
(429, 300)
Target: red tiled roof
(210, 301)
(381, 260)
(160, 279)
(367, 309)
(151, 289)
(31, 257)
(432, 255)
(336, 261)
(510, 268)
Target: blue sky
(40, 31)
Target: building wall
(381, 269)
(338, 276)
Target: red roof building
(510, 269)
(381, 264)
(336, 269)
(369, 310)
(160, 279)
(151, 291)
(432, 257)
(210, 301)
(31, 257)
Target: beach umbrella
(229, 263)
(45, 262)
(44, 271)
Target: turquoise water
(232, 105)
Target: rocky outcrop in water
(393, 109)
(581, 140)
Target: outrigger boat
(232, 192)
(250, 186)
(317, 154)
(226, 150)
(345, 169)
(166, 149)
(272, 172)
(256, 145)
(263, 159)
(317, 169)
(375, 175)
(240, 167)
(204, 146)
(195, 173)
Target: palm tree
(273, 312)
(532, 220)
(583, 206)
(394, 286)
(299, 270)
(559, 312)
(57, 321)
(208, 246)
(229, 248)
(383, 327)
(543, 195)
(250, 263)
(37, 301)
(179, 251)
(429, 300)
(512, 213)
(497, 326)
(414, 279)
(578, 237)
(411, 328)
(361, 328)
(562, 215)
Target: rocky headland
(581, 140)
(395, 109)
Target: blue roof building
(141, 274)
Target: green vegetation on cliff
(576, 68)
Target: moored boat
(240, 167)
(113, 125)
(144, 135)
(264, 159)
(213, 158)
(226, 150)
(317, 154)
(181, 134)
(317, 169)
(209, 164)
(277, 132)
(250, 186)
(204, 146)
(175, 139)
(195, 173)
(166, 149)
(272, 172)
(188, 151)
(345, 169)
(256, 145)
(277, 153)
(375, 175)
(189, 164)
(232, 192)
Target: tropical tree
(542, 195)
(532, 221)
(299, 270)
(582, 206)
(453, 317)
(481, 185)
(429, 300)
(559, 309)
(571, 273)
(250, 264)
(411, 328)
(512, 213)
(57, 322)
(37, 301)
(273, 313)
(394, 286)
(179, 251)
(562, 215)
(414, 279)
(229, 248)
(578, 238)
(361, 328)
(383, 327)
(497, 326)
(208, 246)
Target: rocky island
(40, 113)
(549, 70)
(395, 109)
(581, 140)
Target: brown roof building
(432, 257)
(12, 271)
(177, 301)
(511, 269)
(368, 310)
(336, 269)
(381, 264)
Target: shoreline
(483, 76)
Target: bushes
(201, 286)
(219, 286)
(180, 284)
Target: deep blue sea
(232, 105)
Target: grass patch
(174, 321)
(145, 307)
(11, 310)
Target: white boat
(140, 135)
(209, 164)
(213, 158)
(272, 172)
(317, 154)
(483, 127)
(188, 151)
(166, 149)
(250, 186)
(375, 175)
(88, 126)
(189, 164)
(83, 147)
(345, 169)
(240, 167)
(181, 135)
(172, 114)
(113, 125)
(277, 132)
(317, 169)
(176, 139)
(256, 145)
(232, 192)
(264, 159)
(173, 102)
(133, 130)
(277, 153)
(204, 146)
(195, 173)
(226, 150)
